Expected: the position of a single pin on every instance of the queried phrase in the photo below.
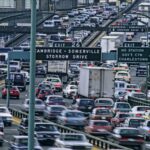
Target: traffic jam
(91, 97)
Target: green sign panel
(127, 28)
(134, 55)
(68, 53)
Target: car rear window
(74, 114)
(105, 102)
(123, 115)
(142, 108)
(57, 108)
(123, 105)
(129, 132)
(136, 122)
(138, 95)
(45, 127)
(102, 111)
(101, 123)
(86, 102)
(72, 138)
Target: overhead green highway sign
(134, 54)
(68, 53)
(127, 28)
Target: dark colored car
(23, 126)
(84, 105)
(127, 136)
(46, 132)
(41, 70)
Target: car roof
(20, 136)
(104, 99)
(130, 128)
(54, 96)
(57, 106)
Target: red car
(98, 127)
(42, 86)
(44, 93)
(119, 118)
(14, 92)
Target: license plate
(131, 140)
(103, 117)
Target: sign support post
(32, 77)
(8, 83)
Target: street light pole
(32, 77)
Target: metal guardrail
(98, 142)
(138, 101)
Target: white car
(6, 116)
(123, 75)
(39, 106)
(73, 141)
(70, 91)
(139, 111)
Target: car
(119, 96)
(132, 88)
(121, 107)
(72, 118)
(144, 129)
(14, 92)
(43, 93)
(26, 76)
(43, 86)
(51, 112)
(133, 122)
(104, 102)
(73, 141)
(19, 142)
(41, 70)
(139, 95)
(39, 106)
(46, 132)
(56, 82)
(126, 136)
(65, 18)
(98, 127)
(139, 111)
(119, 118)
(23, 126)
(6, 116)
(101, 114)
(123, 76)
(55, 100)
(83, 104)
(70, 91)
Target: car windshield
(54, 80)
(3, 110)
(100, 123)
(129, 132)
(123, 105)
(74, 114)
(102, 111)
(44, 86)
(57, 108)
(44, 92)
(136, 122)
(72, 138)
(105, 102)
(86, 102)
(132, 86)
(45, 127)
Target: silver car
(39, 106)
(73, 118)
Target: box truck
(95, 82)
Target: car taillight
(138, 115)
(148, 131)
(137, 90)
(123, 138)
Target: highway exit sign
(134, 54)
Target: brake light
(138, 115)
(148, 131)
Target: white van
(120, 86)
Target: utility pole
(32, 77)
